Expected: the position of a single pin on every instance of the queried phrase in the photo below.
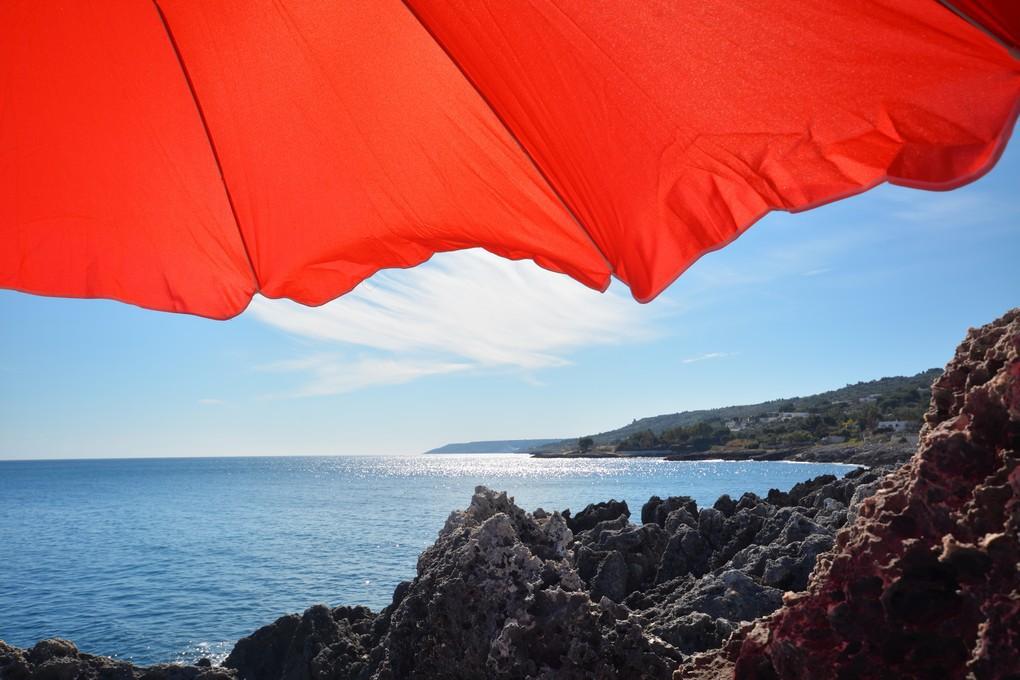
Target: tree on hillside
(869, 417)
(584, 444)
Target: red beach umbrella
(183, 155)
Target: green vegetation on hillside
(849, 413)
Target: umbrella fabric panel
(184, 155)
(350, 142)
(108, 187)
(670, 127)
(1001, 18)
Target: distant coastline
(868, 423)
(495, 446)
(895, 451)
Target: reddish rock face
(926, 583)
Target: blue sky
(472, 347)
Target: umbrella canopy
(184, 155)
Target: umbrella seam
(524, 150)
(212, 144)
(948, 4)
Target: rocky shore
(910, 574)
(869, 454)
(504, 593)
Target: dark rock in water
(678, 517)
(726, 505)
(54, 648)
(656, 510)
(802, 491)
(60, 660)
(320, 643)
(497, 597)
(263, 654)
(748, 500)
(595, 513)
(924, 583)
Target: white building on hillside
(784, 415)
(897, 425)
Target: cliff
(925, 584)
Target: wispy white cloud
(330, 374)
(706, 357)
(463, 311)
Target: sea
(174, 559)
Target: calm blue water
(174, 559)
